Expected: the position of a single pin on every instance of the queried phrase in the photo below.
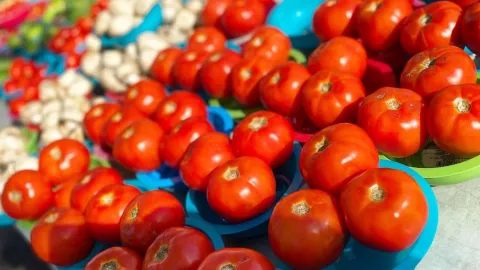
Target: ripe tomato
(61, 237)
(306, 229)
(118, 122)
(202, 157)
(242, 17)
(339, 54)
(207, 38)
(432, 70)
(302, 123)
(345, 149)
(145, 96)
(186, 69)
(31, 92)
(10, 86)
(471, 25)
(147, 216)
(16, 69)
(162, 67)
(27, 195)
(175, 144)
(63, 159)
(464, 3)
(105, 210)
(384, 209)
(91, 183)
(118, 258)
(63, 193)
(96, 118)
(270, 43)
(212, 12)
(453, 118)
(214, 75)
(241, 189)
(377, 22)
(179, 106)
(16, 105)
(236, 258)
(333, 18)
(331, 97)
(266, 135)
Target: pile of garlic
(179, 19)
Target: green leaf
(98, 162)
(32, 140)
(26, 224)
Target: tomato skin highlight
(123, 258)
(162, 67)
(268, 42)
(96, 118)
(206, 38)
(470, 23)
(145, 96)
(335, 18)
(239, 258)
(214, 75)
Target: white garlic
(147, 57)
(152, 41)
(50, 120)
(93, 43)
(142, 7)
(72, 114)
(54, 105)
(131, 51)
(78, 102)
(120, 25)
(102, 23)
(132, 79)
(98, 100)
(50, 135)
(110, 81)
(112, 58)
(185, 19)
(121, 7)
(67, 78)
(91, 62)
(169, 10)
(127, 68)
(47, 89)
(31, 113)
(80, 87)
(196, 6)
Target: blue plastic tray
(6, 221)
(229, 44)
(201, 225)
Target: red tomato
(306, 229)
(339, 54)
(266, 135)
(453, 118)
(208, 39)
(236, 258)
(384, 209)
(31, 92)
(118, 122)
(241, 189)
(202, 157)
(145, 96)
(345, 149)
(331, 97)
(186, 69)
(377, 22)
(212, 12)
(73, 60)
(96, 118)
(179, 106)
(302, 123)
(16, 105)
(243, 16)
(471, 25)
(178, 248)
(27, 195)
(147, 216)
(63, 159)
(163, 65)
(334, 18)
(118, 258)
(85, 24)
(464, 3)
(432, 70)
(175, 144)
(214, 75)
(63, 193)
(16, 69)
(10, 86)
(270, 43)
(61, 237)
(105, 210)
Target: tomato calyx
(325, 87)
(161, 254)
(56, 153)
(128, 133)
(15, 196)
(191, 56)
(257, 42)
(257, 123)
(374, 6)
(321, 145)
(134, 213)
(231, 173)
(301, 208)
(170, 108)
(133, 93)
(392, 104)
(377, 194)
(97, 112)
(229, 266)
(330, 3)
(201, 38)
(107, 199)
(275, 78)
(462, 105)
(110, 265)
(117, 117)
(86, 179)
(425, 19)
(246, 74)
(51, 218)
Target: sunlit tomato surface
(118, 258)
(202, 157)
(91, 183)
(464, 3)
(214, 75)
(345, 149)
(395, 119)
(61, 237)
(63, 159)
(384, 209)
(118, 122)
(145, 96)
(241, 189)
(279, 89)
(63, 193)
(105, 210)
(453, 118)
(186, 69)
(266, 135)
(335, 18)
(236, 258)
(270, 43)
(242, 17)
(339, 54)
(96, 118)
(178, 248)
(471, 26)
(27, 195)
(307, 230)
(162, 67)
(432, 70)
(175, 144)
(212, 12)
(331, 97)
(147, 216)
(179, 106)
(378, 22)
(207, 38)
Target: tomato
(16, 105)
(464, 3)
(118, 122)
(145, 96)
(266, 135)
(61, 237)
(31, 92)
(302, 123)
(214, 75)
(345, 149)
(91, 183)
(186, 69)
(245, 78)
(212, 12)
(384, 209)
(162, 66)
(63, 159)
(117, 258)
(105, 210)
(147, 216)
(16, 69)
(178, 248)
(339, 54)
(10, 86)
(85, 24)
(96, 118)
(242, 17)
(432, 70)
(236, 258)
(179, 106)
(208, 39)
(333, 18)
(306, 229)
(377, 22)
(73, 60)
(331, 97)
(470, 25)
(63, 193)
(270, 43)
(241, 189)
(175, 144)
(27, 195)
(202, 157)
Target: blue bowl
(229, 44)
(201, 225)
(10, 96)
(6, 221)
(99, 247)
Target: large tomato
(63, 193)
(212, 12)
(453, 118)
(432, 70)
(270, 43)
(145, 96)
(243, 16)
(333, 18)
(214, 75)
(464, 3)
(236, 258)
(61, 237)
(186, 69)
(384, 209)
(206, 38)
(163, 65)
(96, 118)
(306, 229)
(118, 122)
(117, 258)
(471, 26)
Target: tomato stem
(257, 123)
(231, 173)
(301, 208)
(377, 194)
(111, 265)
(462, 105)
(161, 253)
(228, 267)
